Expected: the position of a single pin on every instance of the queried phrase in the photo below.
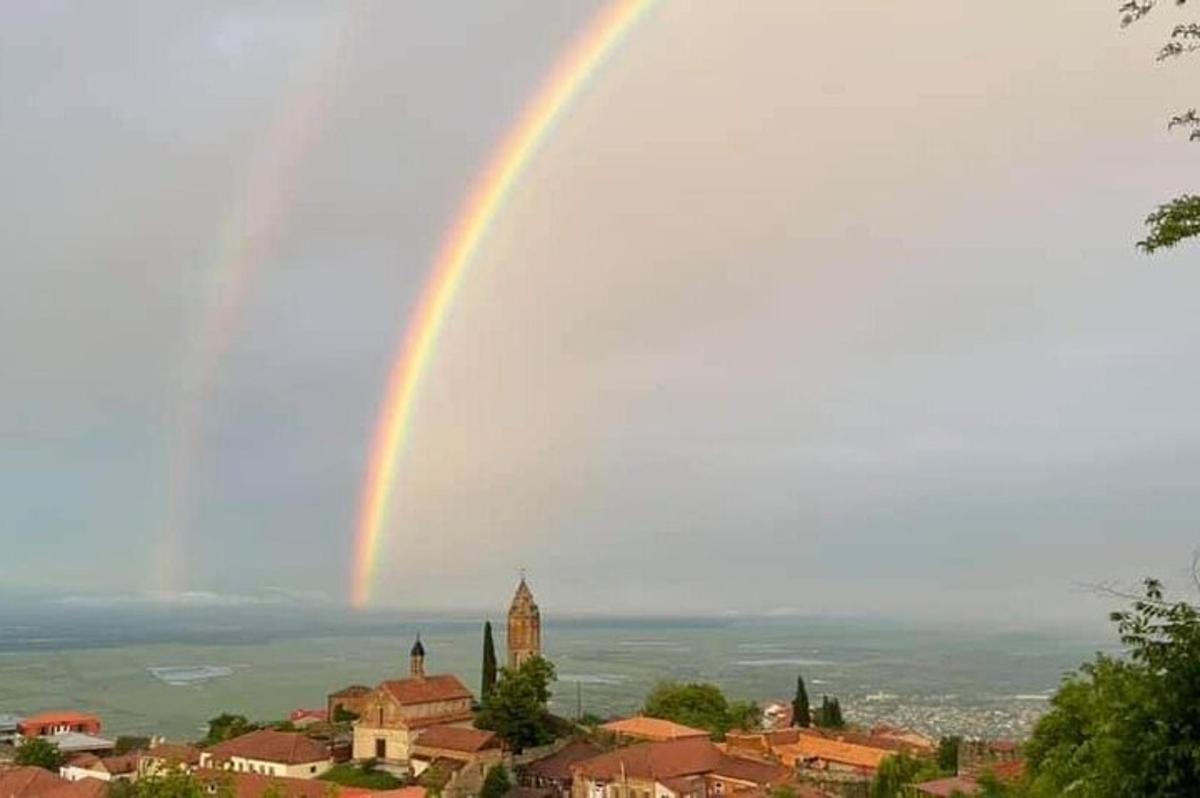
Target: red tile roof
(739, 769)
(809, 747)
(30, 782)
(646, 728)
(437, 720)
(557, 766)
(428, 690)
(665, 760)
(457, 738)
(268, 745)
(65, 716)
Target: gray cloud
(829, 308)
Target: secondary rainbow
(570, 74)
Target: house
(258, 785)
(640, 727)
(109, 768)
(812, 752)
(552, 774)
(691, 767)
(46, 724)
(396, 712)
(165, 756)
(31, 782)
(473, 747)
(270, 753)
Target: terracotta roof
(31, 782)
(457, 738)
(437, 720)
(652, 728)
(404, 792)
(735, 767)
(954, 785)
(809, 747)
(268, 745)
(66, 716)
(557, 766)
(430, 689)
(665, 760)
(176, 753)
(304, 714)
(684, 785)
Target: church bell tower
(524, 627)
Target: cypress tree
(489, 663)
(801, 713)
(835, 714)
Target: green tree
(226, 726)
(801, 713)
(1178, 219)
(541, 674)
(488, 682)
(126, 743)
(516, 709)
(39, 752)
(496, 783)
(701, 706)
(179, 782)
(343, 715)
(898, 771)
(1128, 727)
(829, 715)
(947, 754)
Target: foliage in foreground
(39, 753)
(1179, 219)
(366, 778)
(701, 706)
(497, 783)
(899, 770)
(1128, 727)
(516, 707)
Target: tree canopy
(39, 752)
(496, 783)
(701, 706)
(1178, 219)
(1128, 726)
(488, 676)
(516, 707)
(227, 726)
(801, 713)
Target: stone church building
(393, 716)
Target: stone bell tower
(524, 627)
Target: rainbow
(487, 197)
(252, 225)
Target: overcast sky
(803, 307)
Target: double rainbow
(487, 196)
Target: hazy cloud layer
(803, 307)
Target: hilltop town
(428, 734)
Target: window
(312, 769)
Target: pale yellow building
(396, 712)
(270, 753)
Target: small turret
(417, 660)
